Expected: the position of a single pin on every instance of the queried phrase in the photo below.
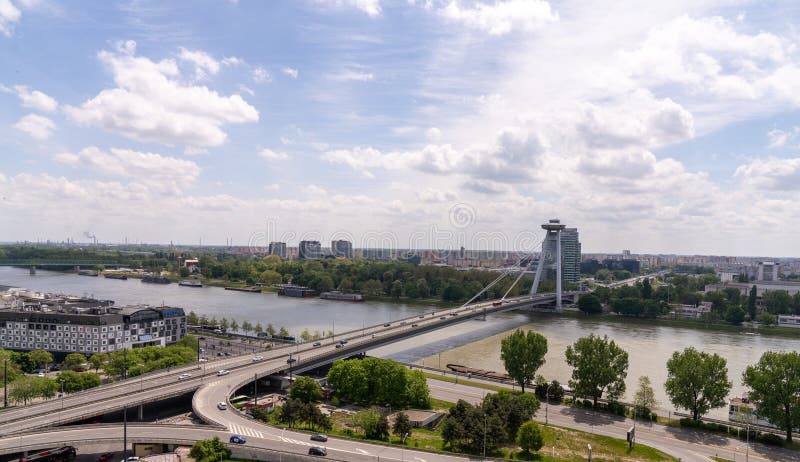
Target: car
(201, 338)
(422, 316)
(238, 439)
(317, 451)
(319, 437)
(317, 344)
(203, 360)
(184, 376)
(202, 350)
(343, 341)
(105, 456)
(453, 314)
(40, 374)
(223, 372)
(227, 354)
(387, 324)
(258, 358)
(414, 325)
(443, 317)
(222, 405)
(219, 353)
(132, 459)
(291, 361)
(218, 331)
(339, 345)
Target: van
(222, 405)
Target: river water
(473, 343)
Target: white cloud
(164, 174)
(151, 104)
(36, 99)
(269, 154)
(36, 126)
(291, 72)
(246, 89)
(9, 15)
(371, 7)
(487, 186)
(260, 75)
(232, 61)
(772, 174)
(203, 63)
(502, 17)
(781, 138)
(433, 134)
(353, 76)
(433, 195)
(194, 151)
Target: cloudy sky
(653, 126)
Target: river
(473, 343)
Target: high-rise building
(340, 248)
(767, 271)
(278, 248)
(570, 254)
(310, 250)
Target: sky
(659, 127)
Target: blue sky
(659, 128)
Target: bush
(529, 436)
(587, 403)
(771, 439)
(615, 408)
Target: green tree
(41, 358)
(372, 423)
(417, 394)
(247, 327)
(13, 368)
(778, 301)
(647, 289)
(74, 360)
(372, 287)
(397, 289)
(523, 354)
(271, 330)
(512, 409)
(25, 389)
(224, 324)
(183, 272)
(735, 314)
(529, 437)
(645, 397)
(467, 428)
(697, 381)
(775, 386)
(402, 426)
(767, 319)
(192, 319)
(282, 332)
(306, 390)
(590, 304)
(234, 325)
(98, 360)
(76, 381)
(598, 366)
(210, 450)
(259, 329)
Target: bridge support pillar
(141, 412)
(32, 270)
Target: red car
(105, 456)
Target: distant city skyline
(666, 127)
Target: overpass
(162, 384)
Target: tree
(41, 358)
(210, 450)
(468, 428)
(372, 287)
(766, 318)
(590, 304)
(645, 397)
(647, 289)
(599, 366)
(26, 388)
(192, 319)
(183, 272)
(396, 290)
(271, 330)
(523, 354)
(529, 437)
(372, 423)
(511, 409)
(13, 368)
(778, 301)
(282, 332)
(697, 381)
(74, 360)
(735, 314)
(402, 426)
(417, 394)
(775, 387)
(224, 324)
(234, 325)
(97, 360)
(259, 329)
(306, 390)
(247, 327)
(76, 381)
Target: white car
(184, 376)
(203, 360)
(258, 358)
(223, 372)
(222, 405)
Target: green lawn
(447, 378)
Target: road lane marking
(362, 451)
(420, 460)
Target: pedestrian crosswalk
(293, 441)
(246, 431)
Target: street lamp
(484, 434)
(547, 401)
(5, 383)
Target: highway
(165, 384)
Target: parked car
(223, 372)
(184, 376)
(339, 345)
(319, 437)
(414, 325)
(317, 451)
(291, 361)
(238, 439)
(105, 456)
(317, 344)
(132, 459)
(443, 317)
(203, 360)
(387, 324)
(258, 358)
(222, 405)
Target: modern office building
(767, 271)
(342, 248)
(278, 248)
(570, 253)
(310, 250)
(62, 328)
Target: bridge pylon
(551, 246)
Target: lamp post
(484, 435)
(547, 402)
(5, 383)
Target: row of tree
(379, 381)
(234, 326)
(697, 381)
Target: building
(767, 271)
(340, 248)
(310, 250)
(277, 248)
(193, 264)
(63, 329)
(692, 311)
(570, 255)
(788, 320)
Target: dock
(245, 289)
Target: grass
(441, 404)
(720, 459)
